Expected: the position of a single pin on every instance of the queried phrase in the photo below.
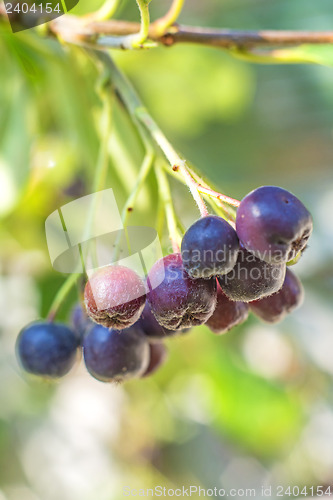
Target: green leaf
(15, 145)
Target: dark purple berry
(274, 308)
(178, 301)
(209, 247)
(47, 349)
(227, 314)
(151, 328)
(158, 355)
(114, 297)
(273, 224)
(115, 355)
(80, 321)
(252, 278)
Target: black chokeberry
(158, 354)
(114, 297)
(177, 300)
(47, 349)
(252, 278)
(115, 355)
(151, 327)
(80, 321)
(209, 247)
(228, 313)
(273, 224)
(274, 308)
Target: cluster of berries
(220, 275)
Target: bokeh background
(251, 408)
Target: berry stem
(165, 194)
(147, 163)
(137, 40)
(62, 294)
(161, 25)
(219, 196)
(98, 184)
(100, 173)
(106, 11)
(140, 114)
(228, 211)
(176, 162)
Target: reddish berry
(114, 297)
(274, 308)
(179, 301)
(227, 314)
(151, 327)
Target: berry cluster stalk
(140, 114)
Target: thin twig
(219, 38)
(140, 114)
(219, 196)
(165, 194)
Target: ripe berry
(273, 224)
(47, 349)
(158, 355)
(209, 247)
(115, 356)
(179, 301)
(227, 314)
(151, 328)
(275, 308)
(252, 278)
(80, 321)
(114, 297)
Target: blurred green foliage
(258, 397)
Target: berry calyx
(209, 247)
(273, 224)
(115, 355)
(47, 349)
(114, 297)
(252, 278)
(274, 308)
(179, 301)
(227, 314)
(151, 327)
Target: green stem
(229, 212)
(106, 11)
(162, 24)
(143, 172)
(142, 36)
(128, 207)
(132, 41)
(140, 113)
(101, 168)
(165, 194)
(98, 184)
(61, 295)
